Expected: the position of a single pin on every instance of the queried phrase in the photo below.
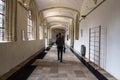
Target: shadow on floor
(24, 72)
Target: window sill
(5, 41)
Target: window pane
(1, 16)
(0, 25)
(0, 35)
(29, 27)
(2, 21)
(30, 23)
(2, 2)
(1, 9)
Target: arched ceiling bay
(58, 27)
(58, 18)
(59, 11)
(64, 8)
(59, 14)
(44, 4)
(66, 25)
(52, 10)
(63, 25)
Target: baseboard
(92, 69)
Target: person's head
(59, 34)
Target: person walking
(60, 44)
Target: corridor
(89, 28)
(50, 68)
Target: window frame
(29, 26)
(2, 22)
(40, 32)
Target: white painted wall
(108, 16)
(13, 53)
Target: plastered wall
(13, 53)
(108, 16)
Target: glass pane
(28, 20)
(1, 25)
(1, 16)
(1, 34)
(29, 27)
(2, 30)
(1, 2)
(30, 23)
(1, 20)
(1, 9)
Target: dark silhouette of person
(60, 44)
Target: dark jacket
(59, 43)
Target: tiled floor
(50, 68)
(102, 71)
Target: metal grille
(94, 45)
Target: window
(29, 26)
(2, 20)
(8, 13)
(41, 32)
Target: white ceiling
(58, 19)
(59, 27)
(61, 12)
(74, 4)
(58, 11)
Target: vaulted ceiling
(62, 12)
(59, 13)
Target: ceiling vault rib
(57, 22)
(61, 8)
(59, 16)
